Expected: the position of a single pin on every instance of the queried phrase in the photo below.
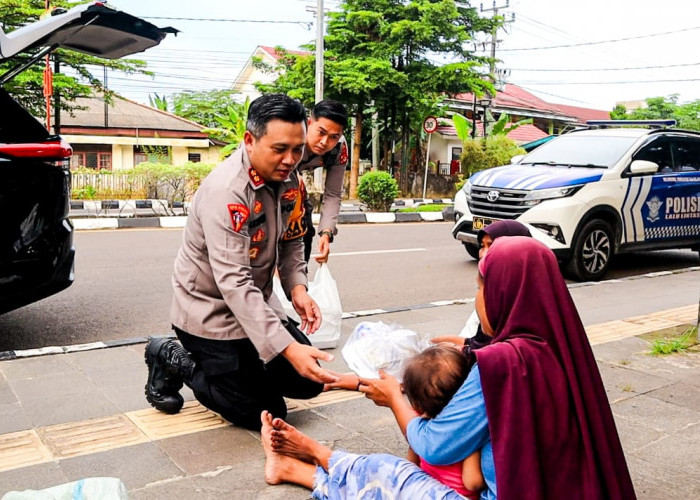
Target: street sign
(430, 124)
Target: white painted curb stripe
(431, 216)
(380, 217)
(102, 223)
(176, 221)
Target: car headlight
(536, 196)
(467, 189)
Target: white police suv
(615, 186)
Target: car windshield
(581, 151)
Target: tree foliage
(27, 87)
(381, 55)
(663, 108)
(231, 126)
(205, 107)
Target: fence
(108, 186)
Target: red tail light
(47, 150)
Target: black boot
(168, 364)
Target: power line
(584, 44)
(219, 20)
(632, 68)
(553, 95)
(672, 80)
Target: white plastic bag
(91, 488)
(324, 290)
(471, 326)
(375, 346)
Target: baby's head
(432, 377)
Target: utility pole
(56, 98)
(318, 78)
(492, 63)
(48, 80)
(494, 36)
(320, 14)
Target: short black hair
(273, 107)
(433, 376)
(332, 110)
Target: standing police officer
(241, 354)
(325, 147)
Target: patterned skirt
(376, 477)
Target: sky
(590, 54)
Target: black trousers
(310, 232)
(230, 379)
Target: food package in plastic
(375, 346)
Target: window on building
(97, 156)
(194, 157)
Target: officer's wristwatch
(328, 232)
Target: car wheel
(472, 250)
(592, 251)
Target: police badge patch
(343, 155)
(296, 223)
(239, 215)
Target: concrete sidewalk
(83, 414)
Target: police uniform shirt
(334, 163)
(239, 230)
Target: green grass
(432, 207)
(671, 345)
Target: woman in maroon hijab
(534, 403)
(551, 425)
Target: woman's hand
(384, 391)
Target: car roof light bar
(635, 123)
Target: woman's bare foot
(280, 468)
(289, 441)
(273, 461)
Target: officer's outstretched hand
(304, 359)
(307, 309)
(324, 248)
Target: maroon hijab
(551, 426)
(505, 227)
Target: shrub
(480, 154)
(377, 190)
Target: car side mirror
(516, 159)
(643, 167)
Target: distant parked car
(36, 242)
(592, 193)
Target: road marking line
(368, 252)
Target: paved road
(122, 287)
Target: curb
(91, 223)
(44, 351)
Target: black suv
(36, 242)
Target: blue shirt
(459, 430)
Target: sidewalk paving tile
(23, 448)
(91, 436)
(212, 449)
(137, 466)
